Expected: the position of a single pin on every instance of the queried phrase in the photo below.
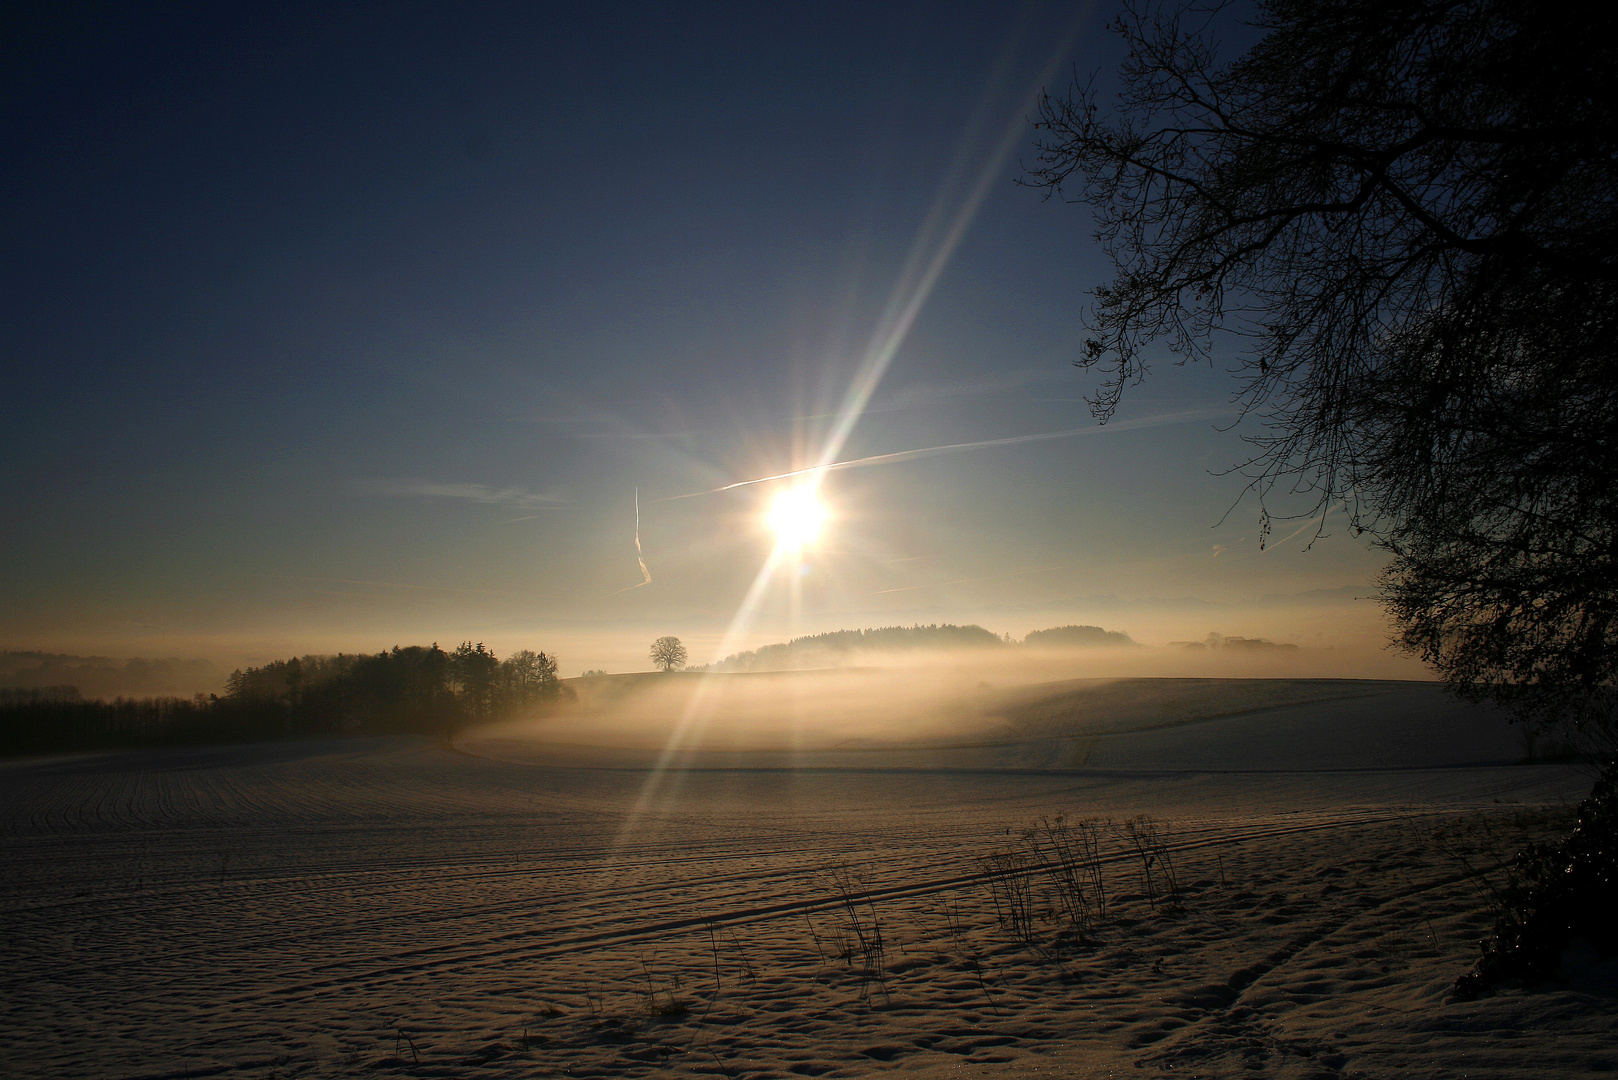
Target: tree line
(405, 690)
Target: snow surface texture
(520, 905)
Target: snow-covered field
(543, 900)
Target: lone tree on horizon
(668, 654)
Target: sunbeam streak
(797, 523)
(939, 236)
(665, 776)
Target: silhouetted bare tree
(1406, 213)
(668, 653)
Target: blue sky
(336, 326)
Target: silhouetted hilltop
(1067, 637)
(840, 646)
(1235, 644)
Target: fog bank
(933, 697)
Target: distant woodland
(405, 690)
(104, 677)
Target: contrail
(1313, 522)
(955, 448)
(640, 556)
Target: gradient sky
(340, 326)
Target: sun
(797, 516)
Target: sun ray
(961, 193)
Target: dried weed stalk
(1158, 879)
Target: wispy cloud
(518, 497)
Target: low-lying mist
(935, 697)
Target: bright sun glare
(796, 515)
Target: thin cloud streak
(1311, 523)
(640, 556)
(981, 444)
